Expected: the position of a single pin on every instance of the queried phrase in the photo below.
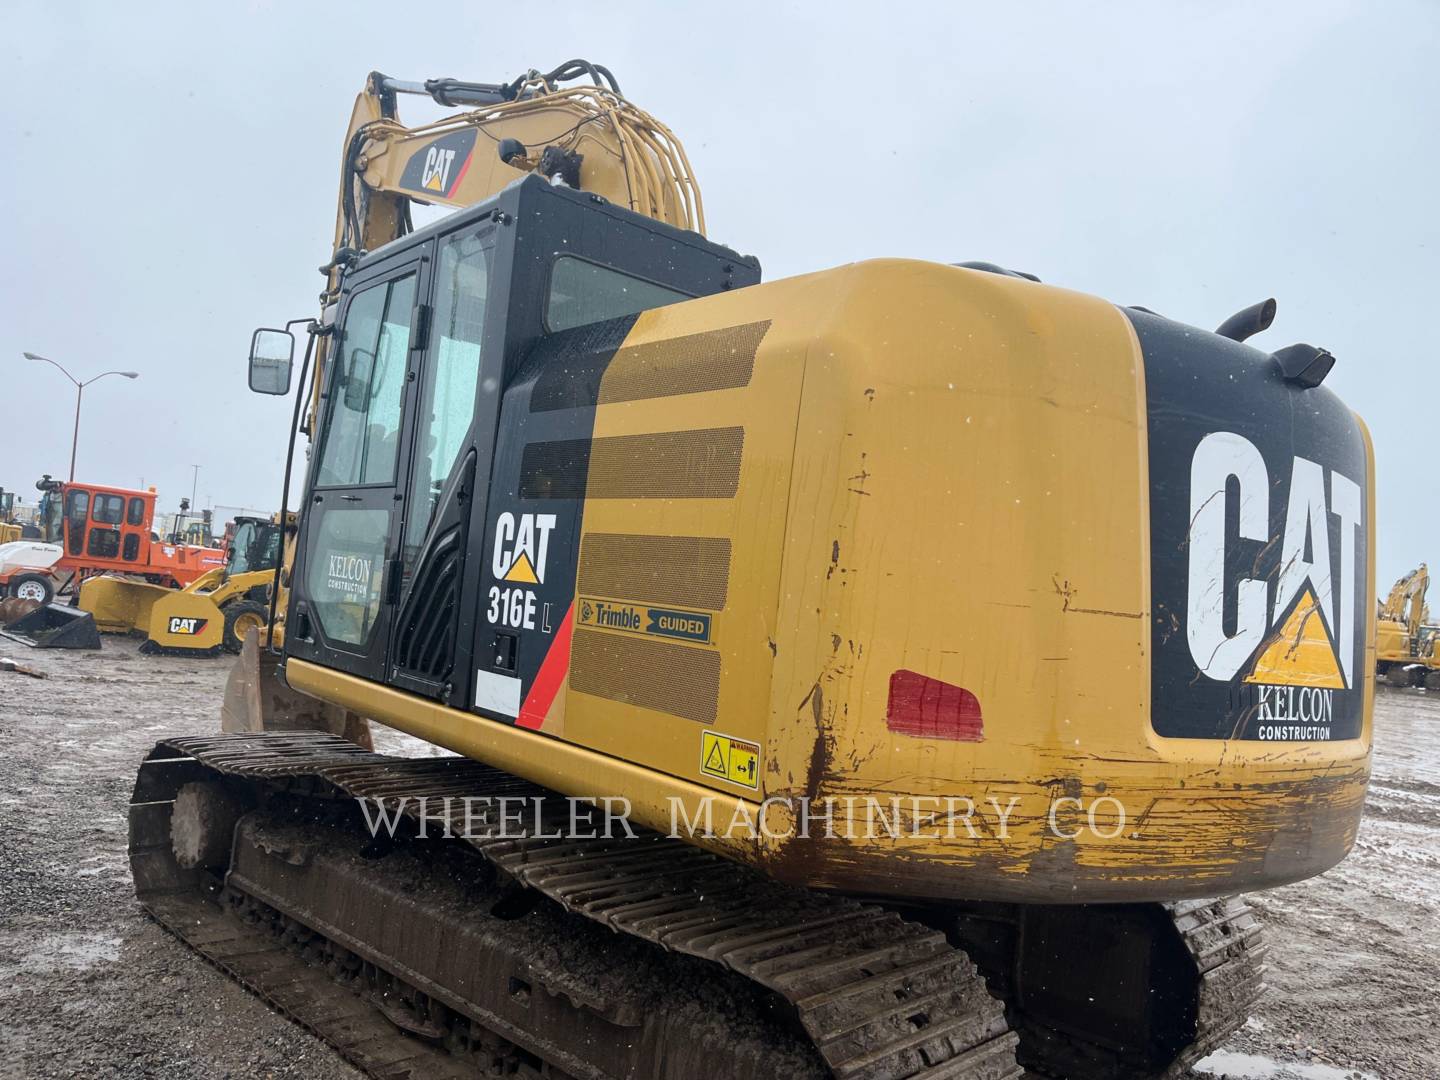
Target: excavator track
(869, 994)
(1118, 992)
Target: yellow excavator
(1404, 637)
(899, 670)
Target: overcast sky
(171, 176)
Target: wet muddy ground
(90, 987)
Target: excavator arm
(1406, 602)
(585, 136)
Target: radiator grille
(668, 678)
(687, 571)
(425, 636)
(721, 359)
(700, 464)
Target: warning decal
(730, 759)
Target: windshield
(255, 546)
(239, 561)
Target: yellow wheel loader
(214, 613)
(897, 671)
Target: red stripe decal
(461, 174)
(549, 677)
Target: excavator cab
(433, 331)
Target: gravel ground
(90, 987)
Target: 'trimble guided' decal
(643, 619)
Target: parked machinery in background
(91, 529)
(1405, 639)
(214, 612)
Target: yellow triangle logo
(715, 761)
(434, 183)
(1300, 653)
(522, 570)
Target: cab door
(348, 574)
(77, 518)
(448, 465)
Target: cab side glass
(272, 354)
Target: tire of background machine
(1432, 680)
(33, 581)
(231, 640)
(1398, 675)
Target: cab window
(104, 543)
(448, 384)
(109, 509)
(135, 515)
(252, 547)
(367, 387)
(583, 292)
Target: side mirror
(272, 354)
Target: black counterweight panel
(1260, 592)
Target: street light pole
(75, 435)
(79, 395)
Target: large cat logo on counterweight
(1290, 636)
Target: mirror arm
(300, 396)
